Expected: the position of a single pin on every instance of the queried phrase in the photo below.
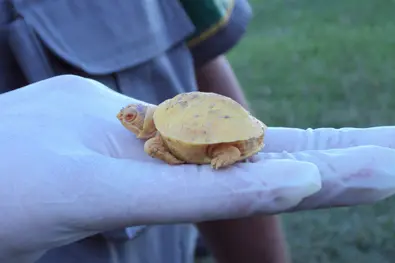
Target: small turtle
(195, 127)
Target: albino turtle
(195, 127)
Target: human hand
(355, 164)
(70, 170)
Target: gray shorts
(134, 47)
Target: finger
(351, 176)
(293, 140)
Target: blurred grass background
(319, 63)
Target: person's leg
(201, 250)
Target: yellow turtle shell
(205, 118)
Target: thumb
(125, 192)
(93, 193)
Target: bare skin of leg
(224, 155)
(155, 148)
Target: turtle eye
(130, 116)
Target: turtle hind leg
(155, 148)
(224, 155)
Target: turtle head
(138, 118)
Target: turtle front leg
(224, 155)
(155, 148)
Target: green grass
(317, 63)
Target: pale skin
(138, 118)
